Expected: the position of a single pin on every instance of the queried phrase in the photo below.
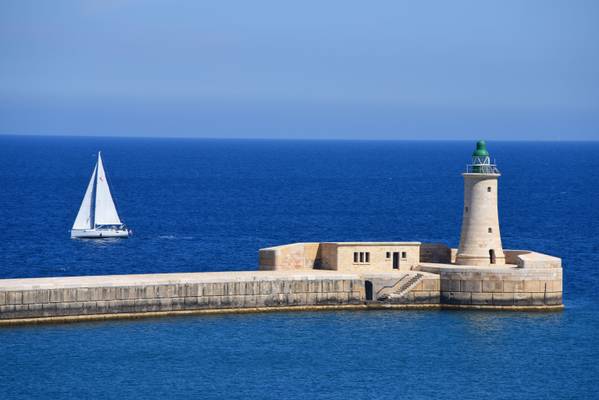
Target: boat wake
(174, 237)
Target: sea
(209, 205)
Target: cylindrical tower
(480, 241)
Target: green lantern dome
(481, 162)
(481, 149)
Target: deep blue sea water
(208, 205)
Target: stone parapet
(533, 260)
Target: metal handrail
(482, 165)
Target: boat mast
(92, 209)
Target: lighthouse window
(466, 209)
(489, 189)
(490, 230)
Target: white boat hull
(99, 233)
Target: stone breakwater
(37, 300)
(99, 297)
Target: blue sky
(305, 69)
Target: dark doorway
(396, 260)
(492, 256)
(368, 287)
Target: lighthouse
(480, 240)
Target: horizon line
(258, 138)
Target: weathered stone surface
(522, 299)
(36, 296)
(553, 298)
(482, 298)
(6, 311)
(426, 297)
(14, 298)
(456, 297)
(534, 286)
(354, 297)
(554, 286)
(83, 294)
(35, 307)
(431, 284)
(109, 293)
(513, 286)
(493, 286)
(69, 295)
(503, 299)
(450, 285)
(267, 288)
(314, 286)
(471, 286)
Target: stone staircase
(400, 288)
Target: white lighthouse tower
(480, 240)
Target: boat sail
(97, 216)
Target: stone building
(342, 256)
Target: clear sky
(503, 69)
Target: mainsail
(105, 210)
(84, 216)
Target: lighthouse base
(490, 260)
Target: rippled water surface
(207, 205)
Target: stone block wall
(435, 253)
(428, 291)
(132, 297)
(328, 253)
(501, 287)
(290, 257)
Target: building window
(489, 189)
(388, 255)
(361, 257)
(404, 255)
(490, 230)
(466, 209)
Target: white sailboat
(97, 217)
